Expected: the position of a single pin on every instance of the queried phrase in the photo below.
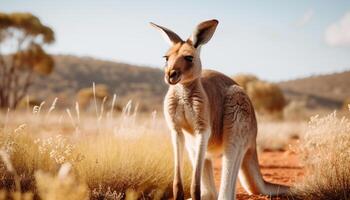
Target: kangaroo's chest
(185, 115)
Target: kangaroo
(209, 115)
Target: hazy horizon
(271, 39)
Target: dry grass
(124, 156)
(61, 186)
(325, 149)
(45, 153)
(111, 156)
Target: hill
(325, 91)
(144, 85)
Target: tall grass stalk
(113, 105)
(95, 100)
(52, 107)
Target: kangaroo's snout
(173, 77)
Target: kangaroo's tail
(252, 180)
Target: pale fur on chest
(185, 115)
(186, 109)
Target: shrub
(266, 97)
(326, 155)
(244, 79)
(28, 102)
(295, 110)
(86, 95)
(346, 104)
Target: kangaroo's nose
(173, 74)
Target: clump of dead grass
(326, 155)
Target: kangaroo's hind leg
(239, 119)
(231, 161)
(252, 180)
(208, 181)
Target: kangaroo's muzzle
(173, 77)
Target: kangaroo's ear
(171, 37)
(203, 32)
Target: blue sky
(274, 39)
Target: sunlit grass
(326, 155)
(116, 155)
(128, 155)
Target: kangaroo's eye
(166, 58)
(189, 58)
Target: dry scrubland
(49, 154)
(111, 157)
(99, 149)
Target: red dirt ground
(281, 167)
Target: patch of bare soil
(282, 167)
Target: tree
(22, 37)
